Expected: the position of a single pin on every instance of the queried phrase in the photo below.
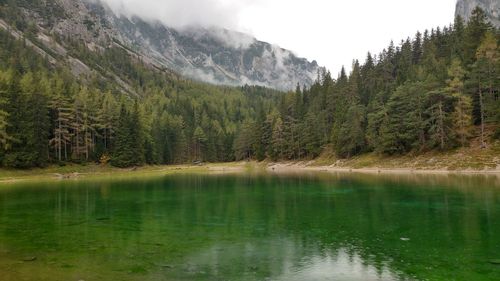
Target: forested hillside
(433, 92)
(208, 54)
(50, 116)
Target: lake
(252, 227)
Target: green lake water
(252, 227)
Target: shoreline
(77, 172)
(293, 167)
(81, 172)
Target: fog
(182, 13)
(333, 32)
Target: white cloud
(181, 13)
(333, 32)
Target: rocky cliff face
(211, 55)
(217, 55)
(491, 7)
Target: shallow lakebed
(311, 226)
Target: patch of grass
(326, 158)
(467, 158)
(90, 171)
(364, 161)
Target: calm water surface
(253, 227)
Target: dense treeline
(48, 116)
(434, 92)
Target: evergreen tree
(400, 129)
(421, 94)
(376, 117)
(462, 114)
(244, 144)
(439, 120)
(278, 140)
(405, 62)
(137, 136)
(61, 109)
(200, 140)
(5, 139)
(457, 41)
(123, 154)
(351, 139)
(485, 75)
(417, 49)
(476, 28)
(107, 116)
(27, 124)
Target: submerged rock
(67, 176)
(29, 259)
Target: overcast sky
(333, 32)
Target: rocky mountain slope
(491, 7)
(211, 55)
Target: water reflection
(286, 260)
(293, 227)
(339, 267)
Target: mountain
(212, 55)
(491, 7)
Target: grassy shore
(469, 159)
(72, 172)
(472, 160)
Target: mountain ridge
(213, 55)
(464, 9)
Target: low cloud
(227, 37)
(182, 13)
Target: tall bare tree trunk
(105, 138)
(441, 125)
(59, 140)
(481, 105)
(77, 143)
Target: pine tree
(5, 138)
(457, 40)
(107, 116)
(475, 31)
(181, 148)
(485, 75)
(368, 80)
(244, 143)
(40, 117)
(401, 126)
(267, 135)
(417, 48)
(137, 136)
(278, 140)
(351, 139)
(405, 62)
(28, 119)
(85, 124)
(462, 118)
(439, 121)
(4, 116)
(200, 140)
(123, 154)
(376, 117)
(62, 112)
(462, 114)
